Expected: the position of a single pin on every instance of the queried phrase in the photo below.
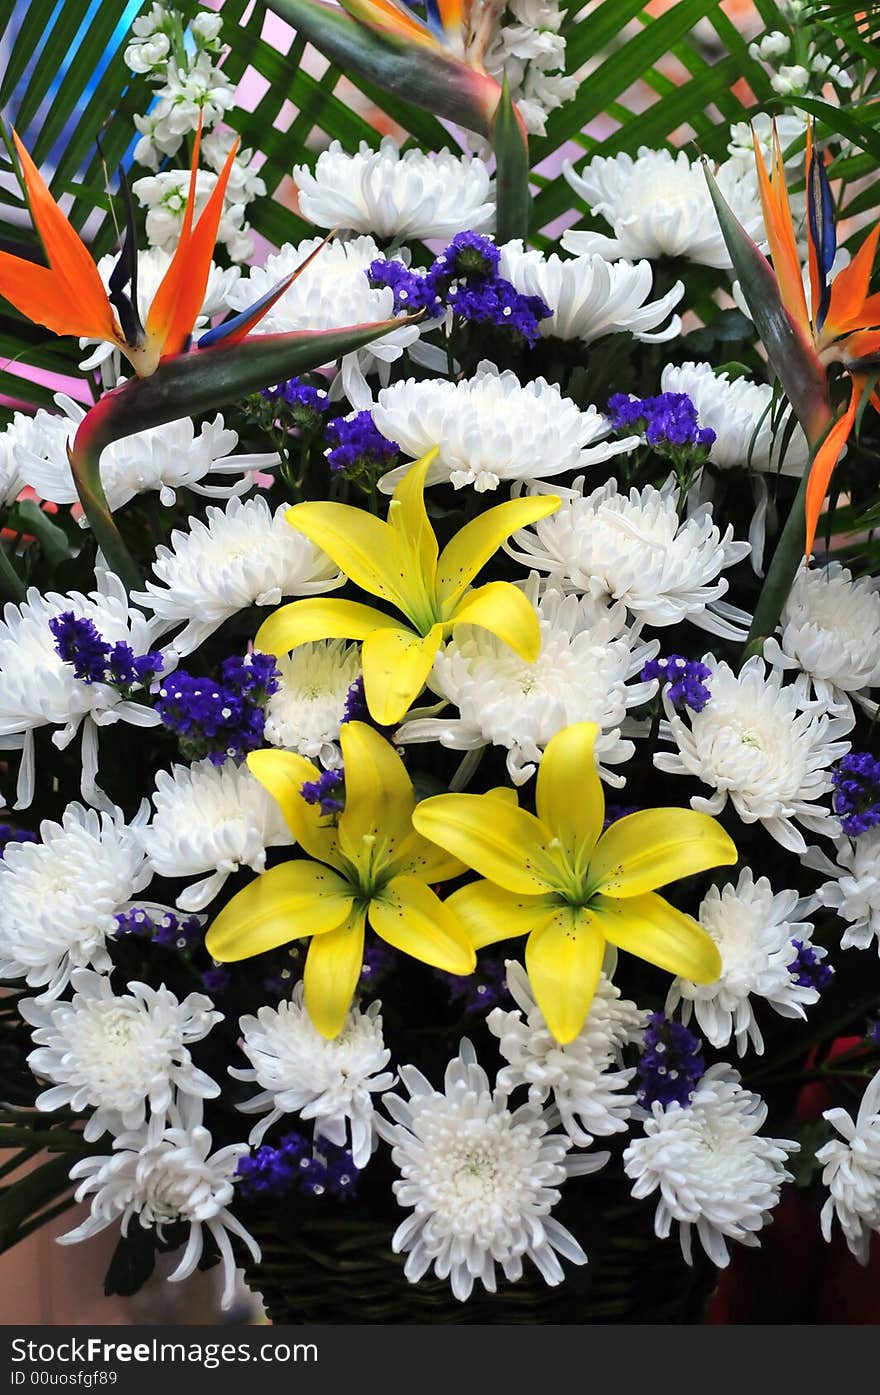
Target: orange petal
(780, 232)
(39, 295)
(850, 306)
(178, 300)
(75, 274)
(389, 19)
(825, 460)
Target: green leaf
(512, 170)
(27, 517)
(25, 1198)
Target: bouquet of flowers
(436, 680)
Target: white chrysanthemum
(854, 889)
(529, 51)
(659, 205)
(211, 819)
(748, 435)
(162, 458)
(37, 687)
(305, 713)
(234, 558)
(59, 897)
(831, 632)
(634, 548)
(712, 1167)
(164, 1180)
(300, 1072)
(482, 1180)
(851, 1170)
(116, 1055)
(152, 264)
(591, 297)
(585, 1078)
(588, 653)
(766, 747)
(332, 293)
(16, 437)
(491, 428)
(390, 195)
(754, 931)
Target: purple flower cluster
(857, 793)
(685, 677)
(358, 448)
(305, 405)
(292, 1166)
(465, 278)
(8, 835)
(79, 642)
(216, 979)
(807, 969)
(668, 422)
(613, 812)
(221, 720)
(325, 791)
(671, 1063)
(169, 932)
(480, 991)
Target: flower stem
(780, 574)
(9, 578)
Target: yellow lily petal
(396, 665)
(650, 928)
(489, 914)
(302, 622)
(506, 844)
(379, 798)
(360, 544)
(411, 917)
(564, 959)
(480, 539)
(333, 967)
(654, 846)
(283, 774)
(409, 519)
(503, 609)
(286, 903)
(568, 793)
(419, 858)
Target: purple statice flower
(8, 835)
(305, 405)
(219, 719)
(686, 679)
(807, 969)
(216, 979)
(613, 812)
(873, 1032)
(497, 302)
(168, 932)
(669, 422)
(480, 991)
(324, 791)
(469, 256)
(79, 642)
(856, 797)
(358, 448)
(272, 1171)
(413, 289)
(671, 1064)
(378, 959)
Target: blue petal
(820, 209)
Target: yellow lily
(559, 879)
(400, 562)
(372, 865)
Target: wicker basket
(342, 1270)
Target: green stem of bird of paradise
(513, 197)
(780, 574)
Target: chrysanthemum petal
(286, 903)
(650, 928)
(333, 967)
(564, 960)
(654, 846)
(411, 917)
